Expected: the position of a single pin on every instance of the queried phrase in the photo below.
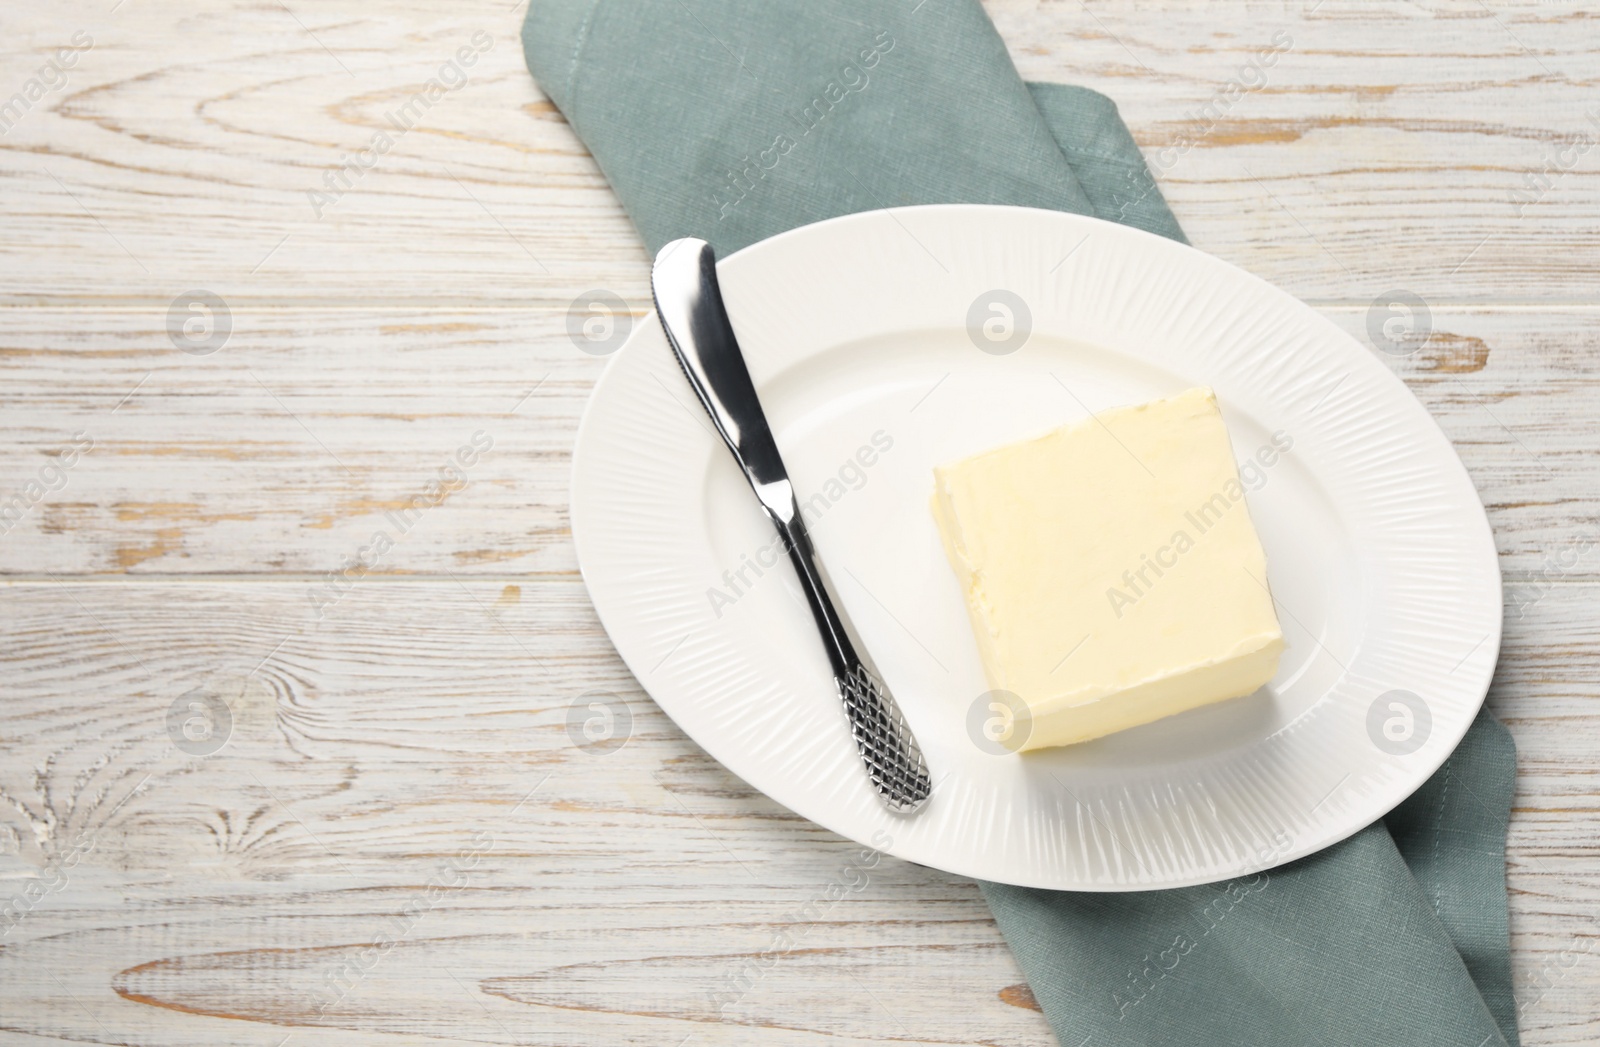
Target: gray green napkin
(734, 121)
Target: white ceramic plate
(856, 332)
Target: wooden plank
(366, 754)
(1415, 145)
(289, 447)
(1384, 148)
(370, 750)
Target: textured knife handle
(689, 303)
(888, 749)
(883, 738)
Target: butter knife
(689, 304)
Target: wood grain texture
(406, 765)
(1383, 149)
(286, 450)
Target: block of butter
(1111, 571)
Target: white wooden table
(399, 768)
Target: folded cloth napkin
(733, 120)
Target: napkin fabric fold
(733, 121)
